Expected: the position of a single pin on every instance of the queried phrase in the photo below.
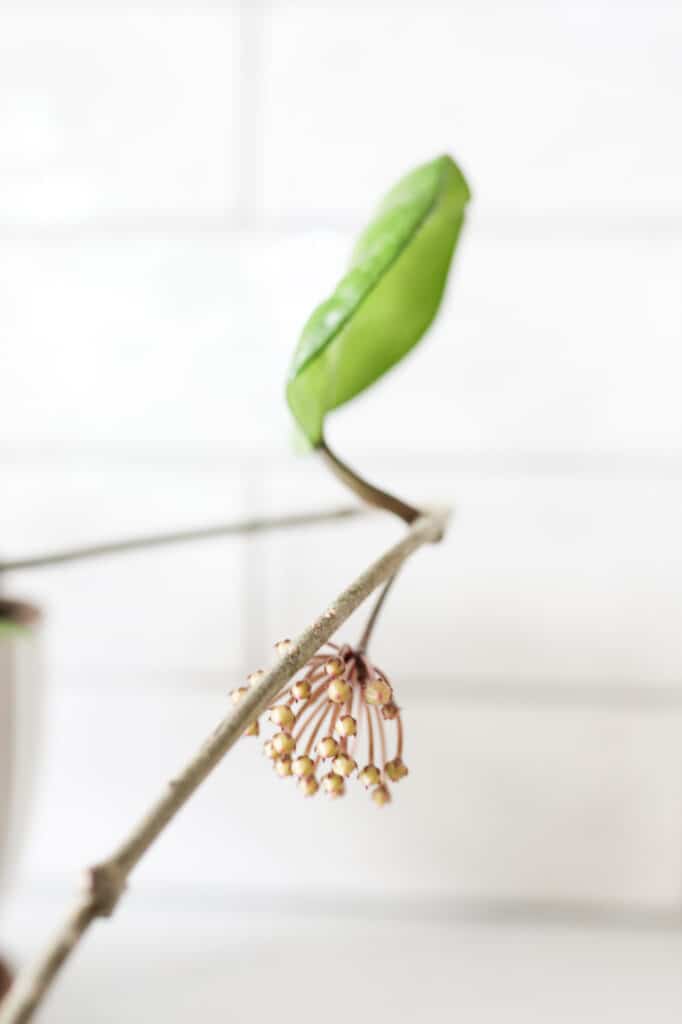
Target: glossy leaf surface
(388, 298)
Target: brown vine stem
(373, 496)
(104, 883)
(374, 615)
(128, 544)
(365, 490)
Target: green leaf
(386, 301)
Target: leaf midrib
(342, 323)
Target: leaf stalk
(365, 490)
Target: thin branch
(245, 527)
(374, 615)
(365, 490)
(106, 881)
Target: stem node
(104, 885)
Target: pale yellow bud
(255, 677)
(253, 729)
(309, 785)
(381, 796)
(347, 726)
(334, 667)
(301, 689)
(389, 711)
(283, 766)
(283, 647)
(284, 743)
(378, 692)
(344, 765)
(239, 694)
(338, 691)
(334, 784)
(396, 769)
(282, 715)
(269, 750)
(327, 747)
(370, 776)
(302, 766)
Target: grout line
(548, 694)
(542, 695)
(214, 458)
(247, 220)
(256, 645)
(446, 909)
(431, 908)
(249, 115)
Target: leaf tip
(448, 162)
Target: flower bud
(308, 785)
(378, 691)
(344, 765)
(302, 766)
(334, 784)
(282, 715)
(347, 726)
(255, 677)
(338, 691)
(327, 747)
(284, 743)
(269, 750)
(301, 689)
(334, 667)
(253, 729)
(238, 695)
(283, 647)
(396, 769)
(389, 711)
(283, 766)
(370, 776)
(381, 796)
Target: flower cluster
(339, 706)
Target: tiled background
(178, 187)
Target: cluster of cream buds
(339, 706)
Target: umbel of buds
(331, 724)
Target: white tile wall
(112, 114)
(511, 803)
(552, 107)
(177, 188)
(112, 342)
(542, 346)
(159, 957)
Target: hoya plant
(331, 706)
(334, 718)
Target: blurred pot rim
(19, 613)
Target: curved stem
(382, 736)
(372, 620)
(367, 491)
(318, 725)
(370, 734)
(313, 705)
(399, 723)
